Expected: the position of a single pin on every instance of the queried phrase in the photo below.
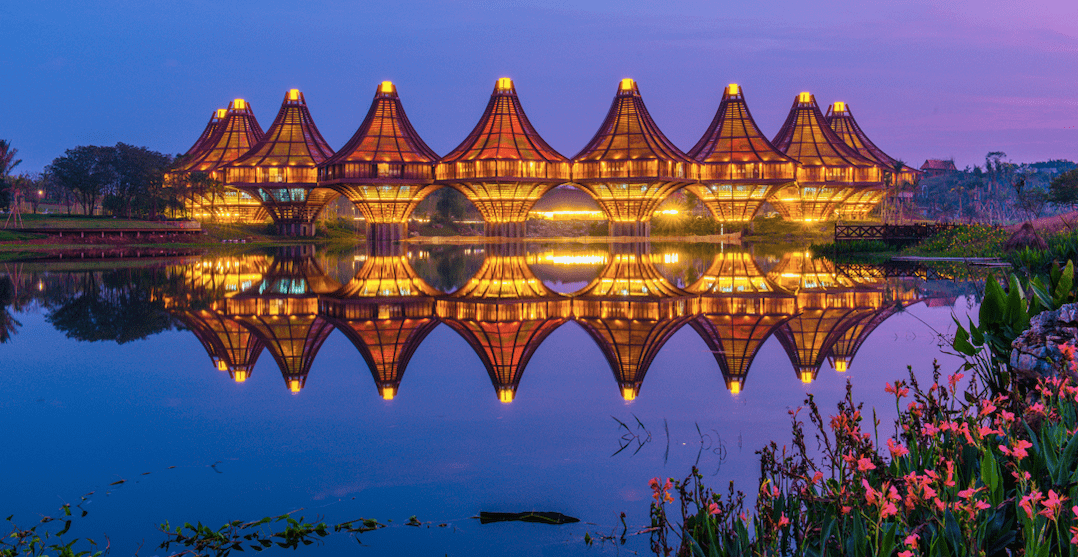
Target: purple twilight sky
(926, 79)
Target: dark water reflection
(433, 439)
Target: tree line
(121, 180)
(1000, 191)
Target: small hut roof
(504, 133)
(808, 138)
(234, 135)
(385, 135)
(733, 135)
(629, 133)
(292, 138)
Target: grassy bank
(965, 241)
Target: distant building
(936, 167)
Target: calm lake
(432, 380)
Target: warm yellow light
(221, 365)
(806, 377)
(241, 376)
(387, 87)
(840, 106)
(505, 84)
(506, 395)
(733, 89)
(388, 392)
(221, 113)
(735, 387)
(627, 84)
(840, 364)
(628, 393)
(294, 386)
(804, 97)
(239, 104)
(293, 94)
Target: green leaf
(1065, 284)
(961, 343)
(1042, 297)
(977, 334)
(990, 475)
(991, 312)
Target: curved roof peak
(808, 138)
(504, 133)
(236, 132)
(386, 134)
(733, 136)
(203, 141)
(630, 134)
(842, 122)
(292, 138)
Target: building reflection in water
(631, 310)
(739, 309)
(504, 313)
(285, 303)
(386, 310)
(282, 311)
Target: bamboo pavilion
(385, 169)
(830, 171)
(281, 169)
(840, 118)
(739, 167)
(503, 166)
(629, 166)
(230, 133)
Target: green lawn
(81, 221)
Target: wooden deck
(889, 233)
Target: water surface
(436, 381)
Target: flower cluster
(965, 473)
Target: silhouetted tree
(1063, 190)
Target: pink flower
(968, 493)
(713, 509)
(1019, 449)
(864, 465)
(911, 540)
(888, 510)
(987, 408)
(1052, 505)
(1029, 501)
(897, 450)
(906, 553)
(783, 521)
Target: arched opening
(567, 210)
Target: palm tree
(7, 158)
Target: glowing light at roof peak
(504, 84)
(221, 112)
(804, 97)
(627, 84)
(293, 94)
(840, 106)
(239, 104)
(388, 87)
(733, 89)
